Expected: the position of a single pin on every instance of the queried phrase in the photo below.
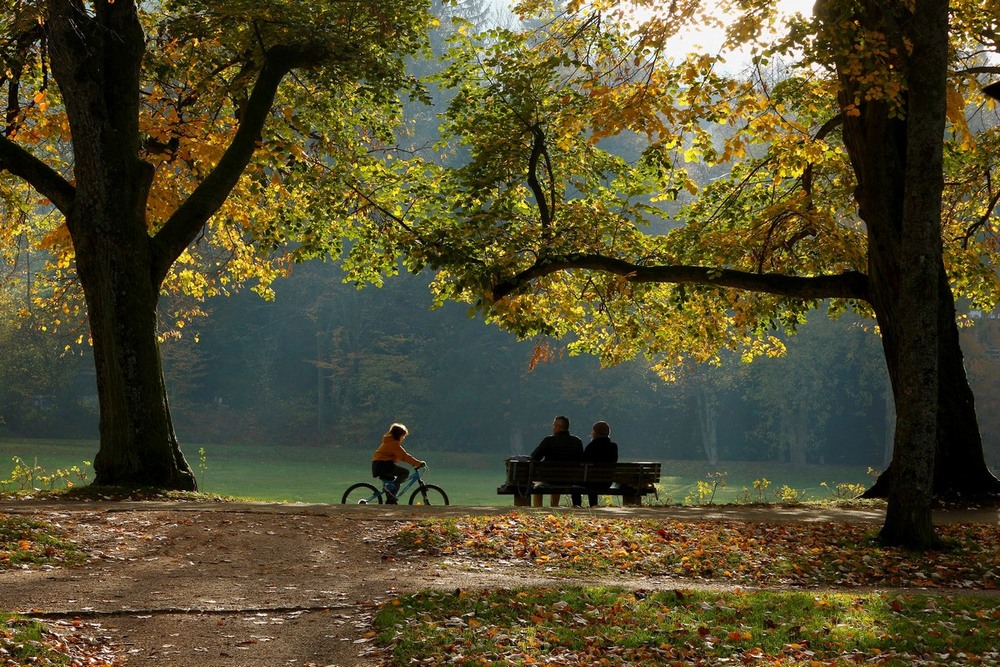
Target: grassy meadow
(597, 626)
(318, 475)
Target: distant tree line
(329, 365)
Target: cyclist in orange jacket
(384, 461)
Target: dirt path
(266, 585)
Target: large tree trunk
(903, 265)
(96, 61)
(908, 515)
(878, 142)
(960, 470)
(138, 445)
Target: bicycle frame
(413, 478)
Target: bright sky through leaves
(710, 39)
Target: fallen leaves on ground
(740, 553)
(604, 627)
(26, 541)
(612, 627)
(28, 642)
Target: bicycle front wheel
(429, 494)
(361, 493)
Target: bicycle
(364, 493)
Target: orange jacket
(392, 450)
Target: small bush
(844, 490)
(33, 477)
(706, 489)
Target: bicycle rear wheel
(362, 493)
(429, 494)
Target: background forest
(330, 365)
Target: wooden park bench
(628, 479)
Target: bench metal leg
(632, 500)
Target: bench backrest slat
(631, 473)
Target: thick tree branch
(847, 285)
(43, 178)
(188, 220)
(15, 60)
(538, 151)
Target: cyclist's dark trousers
(387, 470)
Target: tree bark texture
(960, 470)
(96, 60)
(908, 515)
(897, 158)
(878, 145)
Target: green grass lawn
(610, 627)
(739, 594)
(320, 475)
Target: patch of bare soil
(227, 585)
(240, 585)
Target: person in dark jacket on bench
(560, 446)
(600, 449)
